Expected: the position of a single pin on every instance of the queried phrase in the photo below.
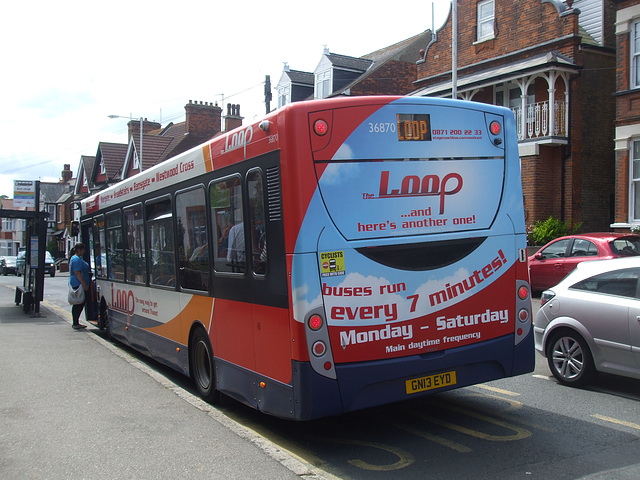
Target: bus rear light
(319, 349)
(523, 292)
(315, 322)
(327, 366)
(523, 315)
(320, 127)
(495, 128)
(519, 332)
(263, 385)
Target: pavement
(75, 405)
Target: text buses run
(337, 255)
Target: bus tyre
(202, 367)
(104, 322)
(569, 359)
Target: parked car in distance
(588, 323)
(559, 257)
(8, 265)
(49, 264)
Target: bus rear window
(369, 198)
(422, 256)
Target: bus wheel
(202, 368)
(569, 359)
(104, 322)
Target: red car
(558, 258)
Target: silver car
(590, 322)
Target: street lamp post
(141, 129)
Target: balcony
(542, 125)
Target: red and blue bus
(336, 255)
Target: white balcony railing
(539, 123)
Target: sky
(68, 65)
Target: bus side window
(136, 263)
(99, 253)
(193, 245)
(257, 223)
(162, 267)
(228, 223)
(115, 247)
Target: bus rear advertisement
(336, 255)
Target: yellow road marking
(59, 311)
(404, 458)
(519, 433)
(512, 406)
(434, 438)
(616, 421)
(498, 390)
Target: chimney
(232, 119)
(66, 174)
(147, 126)
(203, 119)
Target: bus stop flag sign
(24, 193)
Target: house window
(323, 84)
(485, 20)
(284, 95)
(51, 210)
(635, 182)
(509, 95)
(136, 161)
(635, 54)
(103, 170)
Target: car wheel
(570, 359)
(53, 273)
(202, 366)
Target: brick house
(203, 122)
(12, 230)
(627, 123)
(390, 70)
(553, 64)
(294, 86)
(85, 168)
(108, 164)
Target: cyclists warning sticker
(332, 264)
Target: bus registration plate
(429, 383)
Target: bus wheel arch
(202, 365)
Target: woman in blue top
(80, 275)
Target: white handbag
(76, 295)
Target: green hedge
(543, 232)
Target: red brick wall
(542, 180)
(593, 134)
(627, 113)
(622, 187)
(574, 182)
(147, 126)
(203, 119)
(394, 77)
(517, 26)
